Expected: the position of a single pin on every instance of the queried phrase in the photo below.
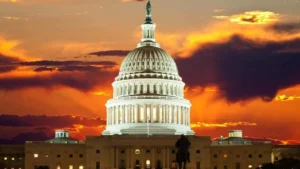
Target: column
(112, 115)
(175, 114)
(170, 113)
(189, 115)
(121, 115)
(138, 88)
(160, 114)
(136, 113)
(116, 115)
(178, 115)
(145, 113)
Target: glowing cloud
(284, 98)
(255, 17)
(101, 94)
(229, 124)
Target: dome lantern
(148, 29)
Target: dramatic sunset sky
(240, 60)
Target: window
(173, 151)
(260, 155)
(250, 155)
(58, 167)
(198, 151)
(122, 151)
(250, 166)
(225, 155)
(237, 156)
(148, 164)
(58, 156)
(71, 155)
(225, 166)
(70, 167)
(97, 165)
(98, 151)
(237, 166)
(80, 155)
(46, 156)
(5, 158)
(215, 167)
(35, 155)
(147, 151)
(81, 167)
(13, 158)
(215, 156)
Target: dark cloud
(4, 59)
(252, 19)
(78, 68)
(66, 63)
(43, 69)
(286, 27)
(120, 53)
(21, 138)
(83, 81)
(244, 69)
(45, 122)
(4, 69)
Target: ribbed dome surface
(148, 59)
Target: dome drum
(148, 87)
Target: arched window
(237, 166)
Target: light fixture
(137, 151)
(81, 167)
(225, 155)
(250, 166)
(70, 167)
(13, 158)
(5, 158)
(35, 155)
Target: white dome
(148, 62)
(148, 59)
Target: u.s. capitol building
(145, 117)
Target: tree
(285, 163)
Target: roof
(62, 140)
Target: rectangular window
(97, 165)
(198, 165)
(98, 151)
(71, 155)
(80, 155)
(198, 151)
